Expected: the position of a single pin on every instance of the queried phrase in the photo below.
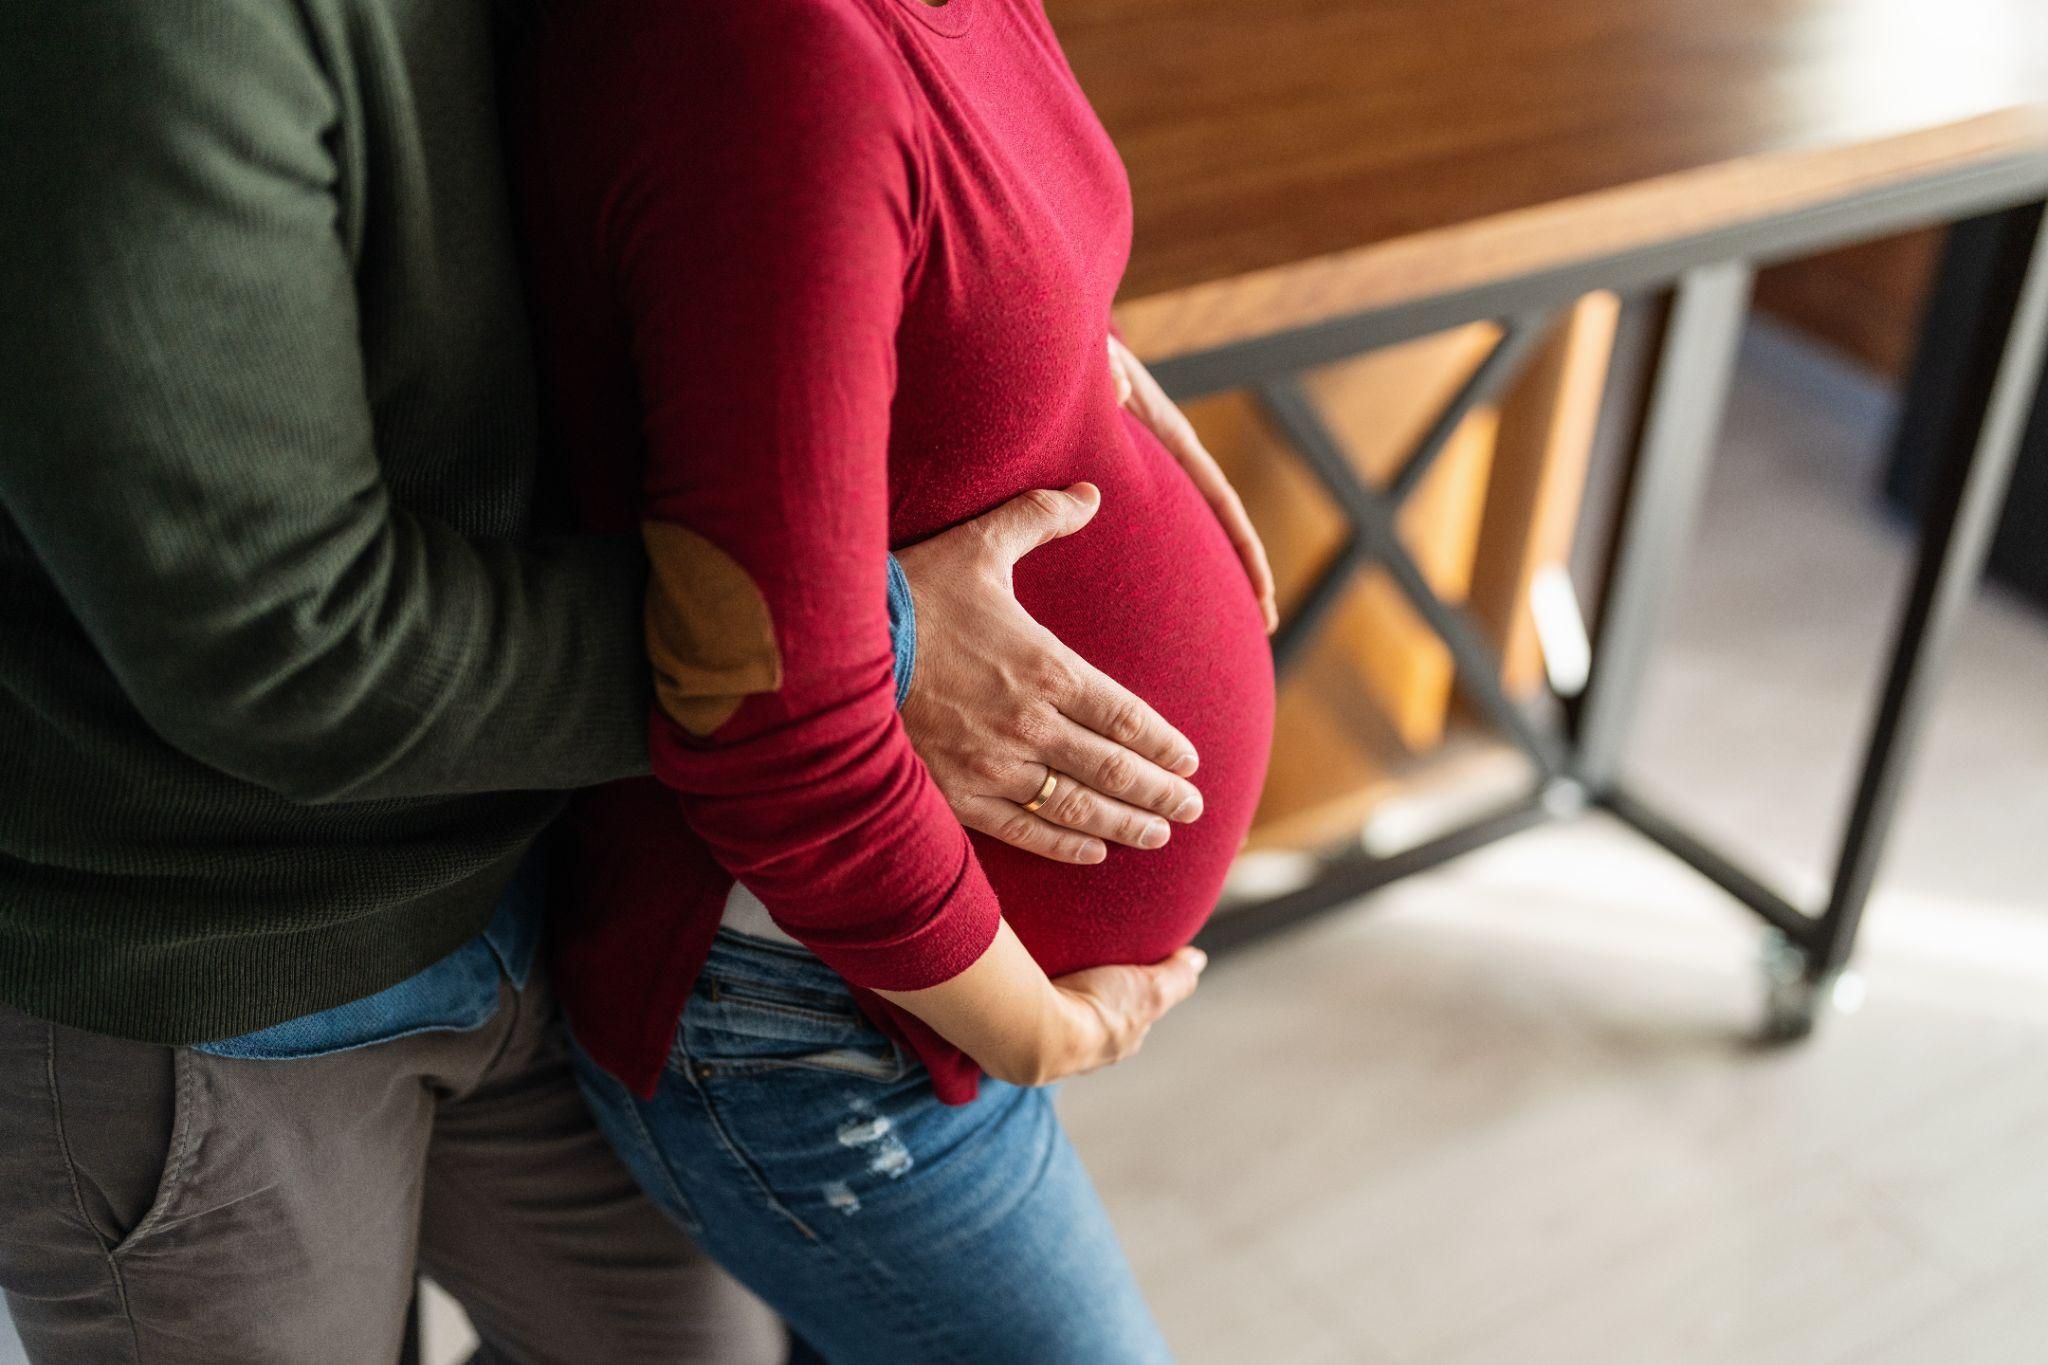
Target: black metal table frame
(1981, 359)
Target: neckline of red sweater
(950, 19)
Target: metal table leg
(1976, 421)
(1977, 450)
(1689, 394)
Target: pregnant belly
(1153, 594)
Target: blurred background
(1514, 1108)
(1511, 1110)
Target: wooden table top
(1294, 160)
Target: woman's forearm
(1022, 1027)
(1006, 1014)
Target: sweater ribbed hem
(197, 991)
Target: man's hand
(1137, 390)
(997, 701)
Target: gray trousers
(161, 1206)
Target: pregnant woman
(817, 278)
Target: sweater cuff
(902, 630)
(950, 940)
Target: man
(289, 687)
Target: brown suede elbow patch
(709, 634)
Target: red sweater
(817, 278)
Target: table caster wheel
(1794, 1000)
(1791, 1008)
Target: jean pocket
(737, 1026)
(832, 1007)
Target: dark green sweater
(285, 683)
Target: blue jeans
(806, 1152)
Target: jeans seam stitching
(794, 953)
(668, 1175)
(746, 1068)
(821, 1016)
(618, 1099)
(732, 1149)
(78, 1195)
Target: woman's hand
(1138, 391)
(1124, 1003)
(1023, 1028)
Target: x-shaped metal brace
(1371, 515)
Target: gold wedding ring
(1052, 779)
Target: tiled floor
(1503, 1115)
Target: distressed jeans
(807, 1154)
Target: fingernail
(1185, 765)
(1093, 853)
(1198, 959)
(1189, 810)
(1154, 834)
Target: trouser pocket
(126, 1119)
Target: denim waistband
(761, 959)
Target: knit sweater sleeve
(186, 439)
(762, 224)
